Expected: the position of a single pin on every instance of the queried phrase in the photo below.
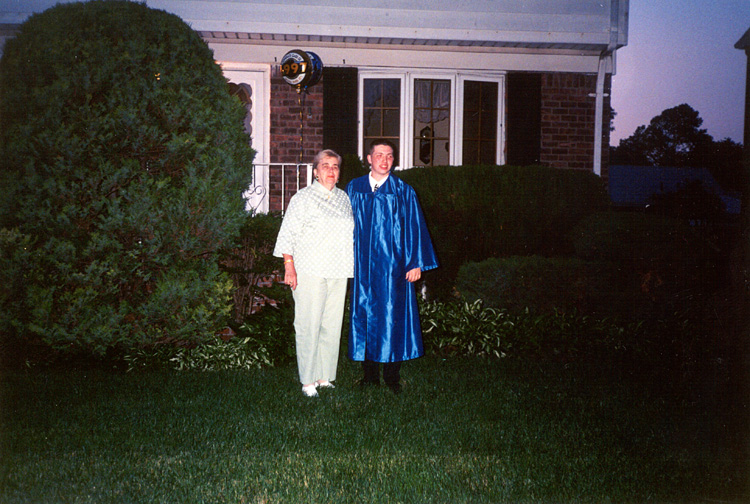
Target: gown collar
(380, 183)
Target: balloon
(301, 69)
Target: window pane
(488, 125)
(441, 156)
(487, 154)
(422, 152)
(471, 151)
(489, 96)
(442, 128)
(480, 122)
(397, 143)
(373, 124)
(391, 123)
(392, 93)
(443, 92)
(471, 124)
(471, 95)
(431, 128)
(381, 111)
(372, 93)
(422, 95)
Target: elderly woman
(316, 241)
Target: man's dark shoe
(395, 387)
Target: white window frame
(500, 131)
(449, 76)
(379, 74)
(457, 79)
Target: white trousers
(318, 316)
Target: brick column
(568, 111)
(291, 134)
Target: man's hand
(414, 275)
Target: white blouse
(318, 232)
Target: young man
(391, 249)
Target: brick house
(480, 81)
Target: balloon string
(301, 101)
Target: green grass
(463, 430)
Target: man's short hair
(382, 141)
(324, 154)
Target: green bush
(122, 165)
(251, 261)
(266, 338)
(692, 201)
(653, 254)
(352, 167)
(679, 348)
(660, 264)
(537, 283)
(463, 329)
(274, 328)
(478, 212)
(452, 329)
(263, 337)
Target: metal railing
(259, 195)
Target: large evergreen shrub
(122, 163)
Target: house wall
(567, 122)
(566, 141)
(287, 129)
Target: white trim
(259, 77)
(541, 23)
(264, 120)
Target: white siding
(582, 24)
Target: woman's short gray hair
(324, 154)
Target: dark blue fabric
(390, 238)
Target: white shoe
(325, 384)
(310, 390)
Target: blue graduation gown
(390, 238)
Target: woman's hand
(290, 273)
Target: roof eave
(393, 42)
(744, 41)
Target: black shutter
(340, 109)
(524, 119)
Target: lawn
(463, 430)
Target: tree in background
(674, 139)
(122, 164)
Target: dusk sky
(682, 51)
